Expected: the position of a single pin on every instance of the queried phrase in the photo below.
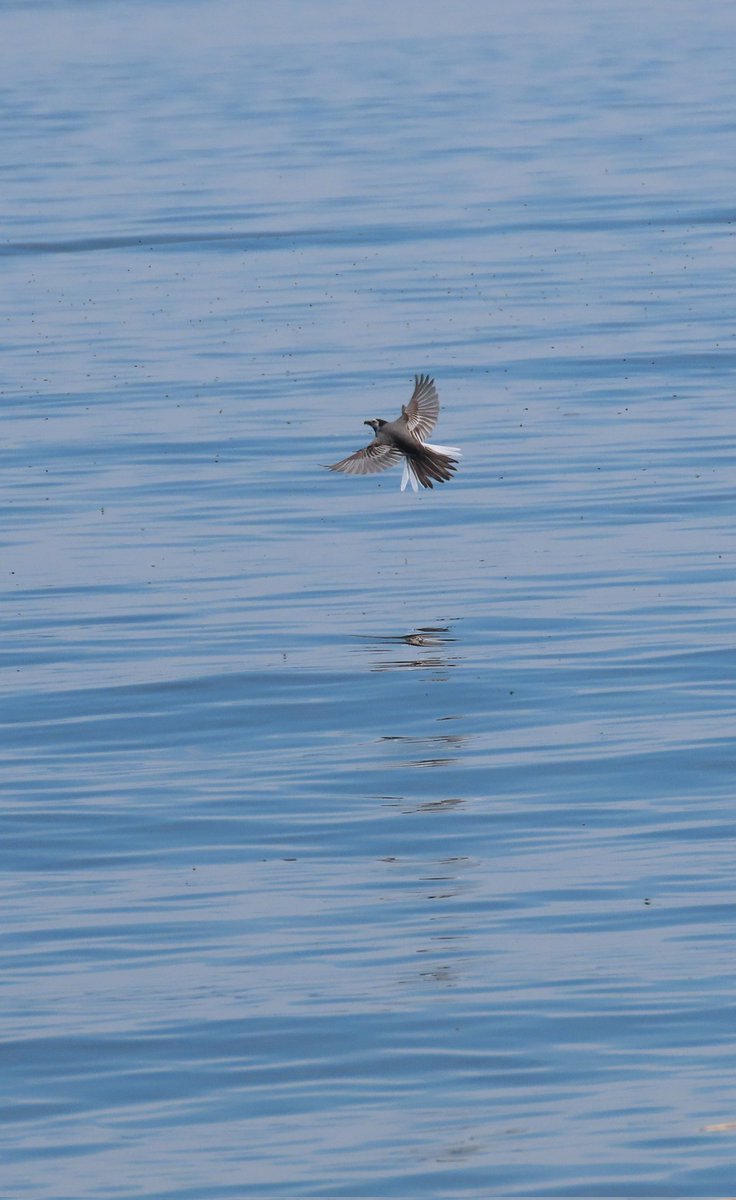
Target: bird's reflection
(432, 750)
(435, 805)
(425, 638)
(443, 942)
(440, 882)
(446, 739)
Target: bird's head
(375, 424)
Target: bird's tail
(428, 464)
(450, 451)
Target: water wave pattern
(358, 843)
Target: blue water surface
(357, 843)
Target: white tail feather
(452, 451)
(408, 475)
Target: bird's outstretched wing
(423, 410)
(369, 461)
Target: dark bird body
(403, 438)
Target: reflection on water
(436, 805)
(424, 638)
(427, 663)
(443, 739)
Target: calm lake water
(358, 843)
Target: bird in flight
(404, 439)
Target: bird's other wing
(423, 410)
(369, 461)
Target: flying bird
(404, 439)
